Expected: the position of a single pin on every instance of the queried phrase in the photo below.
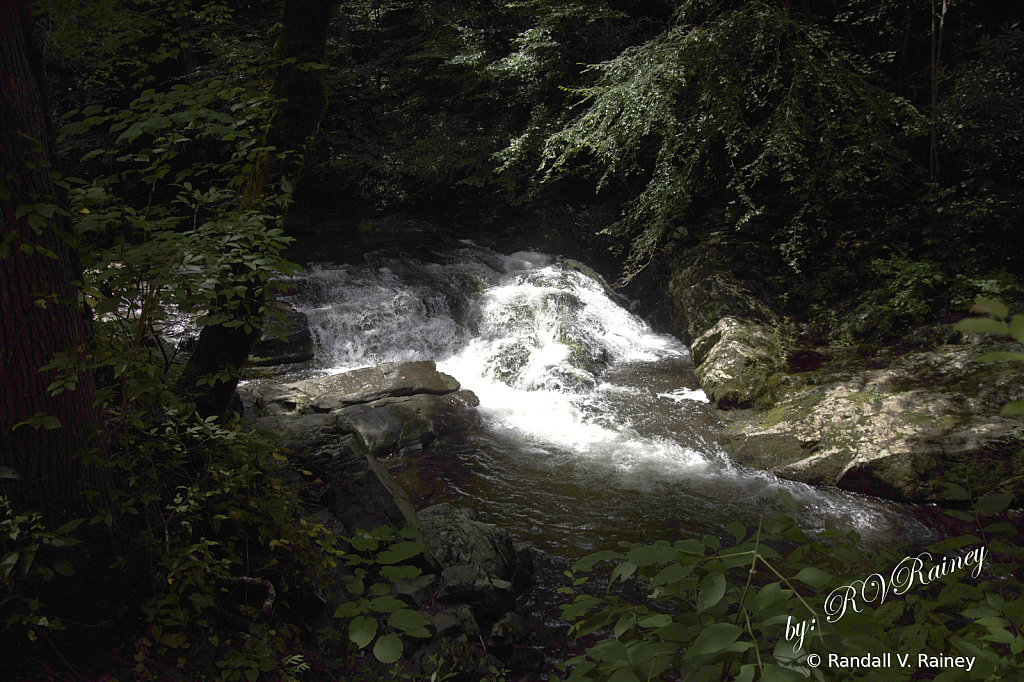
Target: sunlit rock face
(901, 431)
(735, 359)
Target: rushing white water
(594, 428)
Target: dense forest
(861, 161)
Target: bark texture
(38, 301)
(222, 351)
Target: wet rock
(484, 566)
(353, 485)
(487, 595)
(400, 424)
(525, 659)
(734, 360)
(392, 407)
(454, 620)
(706, 290)
(510, 629)
(584, 269)
(725, 320)
(297, 346)
(899, 431)
(369, 384)
(337, 428)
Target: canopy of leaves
(750, 108)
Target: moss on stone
(776, 416)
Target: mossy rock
(735, 360)
(900, 431)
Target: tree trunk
(938, 28)
(222, 351)
(41, 436)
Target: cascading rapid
(594, 428)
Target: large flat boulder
(386, 380)
(901, 431)
(396, 424)
(340, 426)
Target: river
(593, 428)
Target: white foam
(683, 394)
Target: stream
(593, 428)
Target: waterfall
(594, 426)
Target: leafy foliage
(748, 104)
(113, 46)
(905, 297)
(164, 239)
(165, 235)
(22, 536)
(999, 323)
(764, 609)
(379, 569)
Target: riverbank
(913, 419)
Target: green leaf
(786, 498)
(737, 530)
(1012, 409)
(8, 472)
(658, 620)
(399, 573)
(746, 673)
(1016, 328)
(980, 325)
(691, 547)
(865, 643)
(956, 492)
(364, 542)
(348, 609)
(622, 571)
(379, 589)
(814, 577)
(991, 504)
(362, 630)
(713, 638)
(769, 595)
(624, 675)
(992, 307)
(609, 650)
(387, 604)
(388, 648)
(413, 623)
(776, 673)
(400, 551)
(712, 590)
(671, 574)
(627, 621)
(587, 563)
(69, 526)
(651, 659)
(659, 553)
(1007, 530)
